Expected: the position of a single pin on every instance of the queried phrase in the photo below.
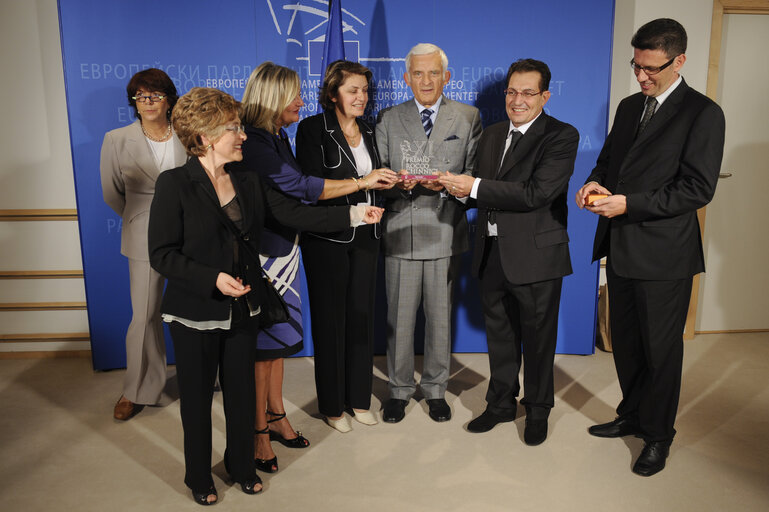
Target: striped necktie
(427, 123)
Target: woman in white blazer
(132, 158)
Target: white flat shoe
(342, 424)
(366, 417)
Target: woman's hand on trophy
(381, 179)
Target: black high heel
(266, 465)
(201, 498)
(248, 487)
(298, 442)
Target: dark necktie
(515, 136)
(651, 105)
(427, 123)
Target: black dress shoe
(535, 432)
(620, 427)
(652, 458)
(486, 421)
(439, 409)
(394, 410)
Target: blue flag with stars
(333, 47)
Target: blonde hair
(203, 111)
(270, 89)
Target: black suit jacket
(323, 151)
(529, 197)
(667, 173)
(189, 245)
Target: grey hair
(426, 49)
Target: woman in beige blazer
(132, 158)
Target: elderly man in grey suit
(425, 229)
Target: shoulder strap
(241, 237)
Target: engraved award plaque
(416, 160)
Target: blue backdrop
(217, 44)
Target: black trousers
(198, 356)
(341, 279)
(520, 319)
(647, 321)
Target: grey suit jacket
(423, 224)
(128, 175)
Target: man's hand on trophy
(405, 183)
(458, 185)
(432, 183)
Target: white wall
(629, 15)
(36, 171)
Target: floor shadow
(90, 407)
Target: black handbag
(272, 308)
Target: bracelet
(365, 184)
(357, 182)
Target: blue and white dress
(271, 157)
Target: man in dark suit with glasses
(659, 164)
(521, 247)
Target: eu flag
(333, 48)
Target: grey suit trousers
(145, 345)
(409, 282)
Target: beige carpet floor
(60, 449)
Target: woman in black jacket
(209, 303)
(341, 267)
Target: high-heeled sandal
(298, 442)
(201, 498)
(266, 465)
(248, 487)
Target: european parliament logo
(312, 39)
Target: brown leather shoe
(124, 409)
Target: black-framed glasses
(524, 94)
(650, 70)
(152, 98)
(236, 129)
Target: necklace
(351, 138)
(161, 139)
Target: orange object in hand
(591, 198)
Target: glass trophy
(416, 160)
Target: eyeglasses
(650, 70)
(236, 129)
(524, 94)
(153, 98)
